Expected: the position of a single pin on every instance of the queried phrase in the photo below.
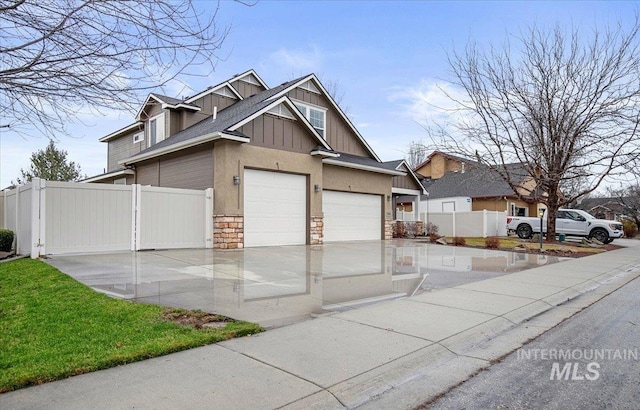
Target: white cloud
(430, 102)
(296, 62)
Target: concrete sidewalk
(395, 354)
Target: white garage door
(351, 217)
(275, 208)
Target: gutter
(363, 167)
(182, 145)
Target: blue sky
(387, 58)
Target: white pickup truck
(571, 222)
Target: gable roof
(403, 165)
(312, 77)
(165, 102)
(364, 163)
(225, 125)
(247, 73)
(449, 156)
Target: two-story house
(286, 164)
(449, 177)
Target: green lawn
(52, 327)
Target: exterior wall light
(236, 180)
(316, 188)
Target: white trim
(405, 191)
(182, 145)
(163, 123)
(335, 106)
(121, 131)
(251, 71)
(413, 175)
(287, 101)
(324, 153)
(213, 90)
(138, 134)
(146, 102)
(362, 167)
(107, 175)
(280, 112)
(180, 105)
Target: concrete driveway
(275, 286)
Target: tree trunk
(552, 210)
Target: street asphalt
(395, 354)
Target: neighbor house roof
(450, 156)
(474, 183)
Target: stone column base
(316, 230)
(388, 229)
(228, 232)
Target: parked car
(571, 222)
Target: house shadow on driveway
(275, 286)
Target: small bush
(459, 241)
(630, 228)
(492, 242)
(6, 240)
(433, 237)
(430, 228)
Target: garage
(351, 217)
(275, 208)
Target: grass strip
(53, 327)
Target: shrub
(433, 237)
(630, 228)
(6, 240)
(492, 242)
(430, 228)
(459, 241)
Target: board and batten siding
(246, 89)
(121, 148)
(338, 134)
(406, 182)
(189, 169)
(270, 131)
(87, 217)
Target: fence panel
(87, 217)
(2, 223)
(171, 218)
(24, 219)
(468, 224)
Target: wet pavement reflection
(275, 286)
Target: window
(138, 137)
(156, 129)
(315, 115)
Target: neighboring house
(453, 182)
(286, 164)
(605, 208)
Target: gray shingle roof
(370, 162)
(225, 118)
(474, 183)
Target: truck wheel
(600, 234)
(524, 231)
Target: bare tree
(58, 57)
(416, 154)
(565, 105)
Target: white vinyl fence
(468, 224)
(65, 217)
